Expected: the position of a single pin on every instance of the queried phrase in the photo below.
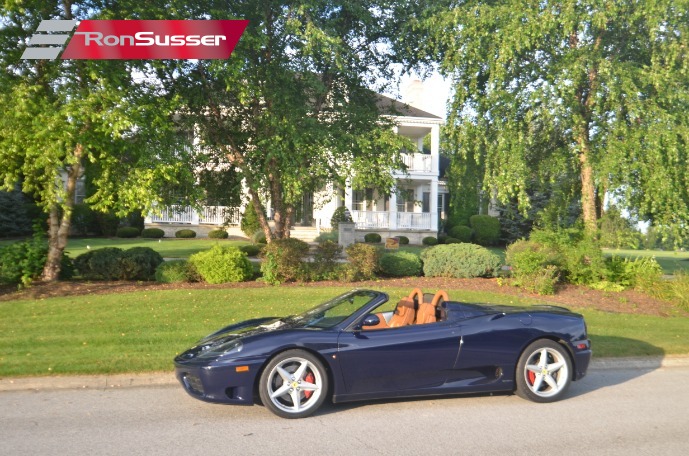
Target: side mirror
(371, 320)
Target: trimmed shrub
(372, 238)
(176, 271)
(400, 264)
(459, 261)
(251, 250)
(185, 234)
(139, 263)
(404, 240)
(22, 262)
(486, 229)
(128, 232)
(259, 237)
(341, 214)
(325, 265)
(152, 233)
(283, 260)
(218, 234)
(363, 262)
(462, 233)
(333, 236)
(222, 265)
(101, 264)
(429, 240)
(451, 240)
(249, 223)
(442, 237)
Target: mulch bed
(569, 295)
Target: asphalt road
(612, 411)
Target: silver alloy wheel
(294, 385)
(546, 372)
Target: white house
(413, 209)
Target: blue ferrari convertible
(361, 346)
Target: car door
(397, 359)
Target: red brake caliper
(532, 377)
(310, 379)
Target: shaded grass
(143, 331)
(670, 261)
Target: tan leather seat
(427, 311)
(404, 313)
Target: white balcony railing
(418, 162)
(209, 215)
(366, 220)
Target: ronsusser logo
(134, 39)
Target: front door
(397, 359)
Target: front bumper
(227, 384)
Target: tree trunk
(58, 226)
(588, 193)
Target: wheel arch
(321, 358)
(556, 339)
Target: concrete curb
(103, 382)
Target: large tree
(293, 109)
(60, 116)
(598, 86)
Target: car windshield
(335, 311)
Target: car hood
(232, 333)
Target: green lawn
(143, 331)
(670, 261)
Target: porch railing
(209, 215)
(418, 162)
(391, 220)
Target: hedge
(459, 261)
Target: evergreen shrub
(462, 233)
(429, 240)
(218, 234)
(400, 264)
(152, 233)
(128, 232)
(372, 238)
(282, 260)
(486, 229)
(222, 265)
(459, 261)
(185, 234)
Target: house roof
(390, 106)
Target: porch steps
(305, 233)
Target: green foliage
(404, 240)
(283, 260)
(363, 262)
(451, 240)
(22, 262)
(249, 223)
(400, 264)
(139, 263)
(325, 265)
(84, 221)
(14, 214)
(459, 261)
(328, 236)
(535, 267)
(185, 234)
(177, 271)
(486, 229)
(461, 232)
(101, 264)
(152, 233)
(429, 240)
(341, 214)
(372, 238)
(108, 223)
(128, 232)
(616, 232)
(218, 234)
(442, 237)
(562, 89)
(251, 250)
(259, 237)
(222, 265)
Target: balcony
(419, 163)
(366, 220)
(207, 215)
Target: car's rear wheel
(294, 384)
(544, 371)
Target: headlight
(213, 351)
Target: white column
(348, 195)
(392, 213)
(434, 203)
(435, 150)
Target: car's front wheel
(544, 371)
(294, 384)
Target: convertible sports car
(360, 346)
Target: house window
(443, 205)
(426, 202)
(79, 192)
(405, 200)
(358, 200)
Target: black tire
(544, 371)
(293, 384)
